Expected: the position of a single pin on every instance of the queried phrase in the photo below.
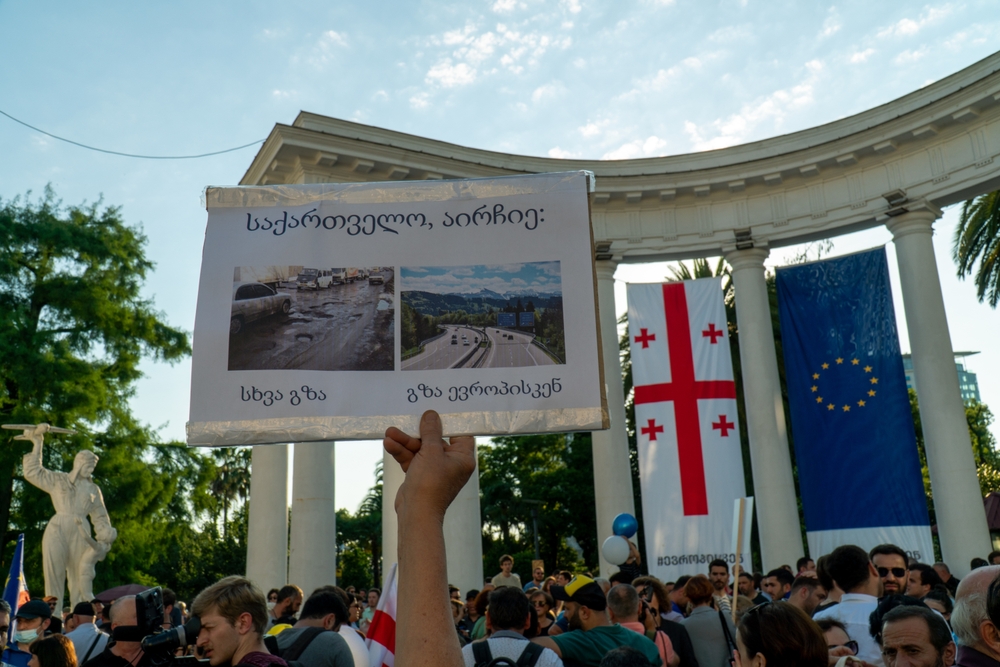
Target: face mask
(25, 636)
(270, 605)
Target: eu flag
(15, 591)
(855, 447)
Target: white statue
(68, 548)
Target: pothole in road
(303, 338)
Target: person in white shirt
(87, 640)
(853, 572)
(508, 616)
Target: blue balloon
(625, 525)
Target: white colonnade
(964, 533)
(463, 537)
(267, 532)
(312, 558)
(612, 470)
(932, 148)
(774, 488)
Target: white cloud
(282, 94)
(832, 23)
(380, 96)
(650, 147)
(547, 91)
(911, 56)
(664, 77)
(420, 101)
(326, 48)
(907, 26)
(471, 54)
(450, 76)
(560, 154)
(334, 37)
(507, 6)
(572, 6)
(861, 56)
(974, 35)
(594, 128)
(741, 126)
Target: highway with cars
(445, 351)
(514, 349)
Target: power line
(143, 157)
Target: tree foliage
(74, 328)
(552, 474)
(977, 240)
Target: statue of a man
(68, 548)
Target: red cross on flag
(690, 462)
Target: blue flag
(15, 591)
(855, 446)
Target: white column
(267, 533)
(463, 537)
(961, 519)
(612, 470)
(774, 487)
(392, 479)
(312, 559)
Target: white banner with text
(333, 311)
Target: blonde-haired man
(233, 613)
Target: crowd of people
(851, 606)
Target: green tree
(977, 239)
(359, 539)
(232, 480)
(74, 329)
(551, 473)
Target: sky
(567, 78)
(542, 277)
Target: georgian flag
(690, 461)
(381, 637)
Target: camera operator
(124, 650)
(233, 613)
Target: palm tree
(977, 238)
(232, 480)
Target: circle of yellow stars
(839, 361)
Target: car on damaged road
(254, 301)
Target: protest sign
(333, 311)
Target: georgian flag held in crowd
(382, 631)
(690, 461)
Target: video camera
(159, 645)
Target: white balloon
(615, 550)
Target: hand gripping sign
(334, 311)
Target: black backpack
(298, 647)
(484, 657)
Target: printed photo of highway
(486, 316)
(312, 318)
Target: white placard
(334, 311)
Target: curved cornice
(936, 144)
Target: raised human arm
(435, 472)
(34, 471)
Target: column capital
(606, 269)
(918, 220)
(749, 258)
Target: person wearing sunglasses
(891, 564)
(777, 634)
(838, 642)
(542, 602)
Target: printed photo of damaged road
(320, 319)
